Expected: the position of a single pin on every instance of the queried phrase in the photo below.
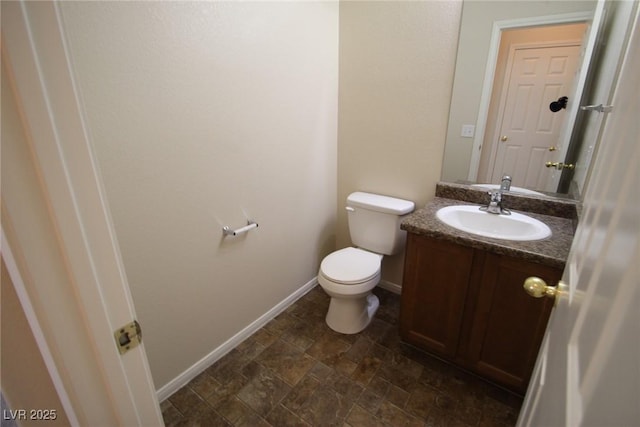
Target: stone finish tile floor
(296, 371)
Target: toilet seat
(350, 266)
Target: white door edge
(36, 56)
(36, 330)
(573, 106)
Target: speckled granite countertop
(552, 251)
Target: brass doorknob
(538, 288)
(552, 148)
(504, 138)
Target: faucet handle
(496, 196)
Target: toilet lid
(350, 266)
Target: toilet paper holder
(228, 231)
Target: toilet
(348, 275)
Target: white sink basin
(507, 227)
(512, 189)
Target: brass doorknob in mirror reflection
(559, 165)
(504, 138)
(552, 148)
(538, 288)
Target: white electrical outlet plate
(467, 131)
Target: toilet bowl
(348, 276)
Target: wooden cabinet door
(433, 293)
(508, 325)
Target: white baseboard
(391, 287)
(181, 380)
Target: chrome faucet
(495, 204)
(505, 184)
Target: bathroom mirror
(486, 111)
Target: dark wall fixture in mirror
(506, 49)
(558, 105)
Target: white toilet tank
(374, 222)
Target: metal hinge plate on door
(128, 336)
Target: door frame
(35, 55)
(493, 142)
(29, 311)
(490, 71)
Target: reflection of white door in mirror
(479, 49)
(537, 75)
(551, 178)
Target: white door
(103, 387)
(529, 130)
(606, 61)
(592, 39)
(587, 373)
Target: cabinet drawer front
(434, 292)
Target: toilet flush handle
(350, 209)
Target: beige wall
(475, 36)
(396, 70)
(201, 114)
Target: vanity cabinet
(433, 299)
(468, 306)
